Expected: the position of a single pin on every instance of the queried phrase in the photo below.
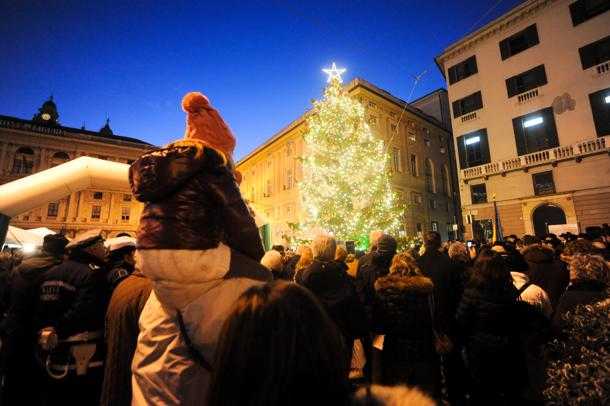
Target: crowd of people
(194, 312)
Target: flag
(498, 235)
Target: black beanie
(54, 244)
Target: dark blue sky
(258, 61)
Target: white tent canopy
(55, 183)
(20, 237)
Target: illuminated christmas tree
(346, 181)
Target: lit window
(472, 140)
(532, 122)
(607, 99)
(98, 195)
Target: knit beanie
(205, 124)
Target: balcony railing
(547, 156)
(523, 97)
(603, 68)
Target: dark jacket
(72, 296)
(370, 267)
(490, 327)
(438, 267)
(191, 201)
(579, 293)
(402, 312)
(336, 291)
(547, 272)
(122, 330)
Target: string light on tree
(346, 181)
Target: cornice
(496, 26)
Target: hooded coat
(199, 246)
(402, 313)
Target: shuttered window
(600, 106)
(535, 131)
(583, 10)
(525, 81)
(467, 104)
(595, 53)
(473, 149)
(519, 42)
(478, 193)
(463, 70)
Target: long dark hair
(491, 275)
(279, 347)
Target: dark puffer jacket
(547, 272)
(335, 290)
(191, 201)
(402, 312)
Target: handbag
(442, 343)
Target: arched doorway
(545, 216)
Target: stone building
(29, 146)
(530, 101)
(422, 172)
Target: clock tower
(47, 113)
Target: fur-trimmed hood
(406, 284)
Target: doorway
(545, 216)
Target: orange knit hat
(204, 123)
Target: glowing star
(334, 72)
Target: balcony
(548, 156)
(603, 68)
(527, 96)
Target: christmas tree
(346, 181)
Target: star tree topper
(334, 72)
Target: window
(467, 104)
(478, 193)
(413, 161)
(125, 213)
(429, 173)
(543, 183)
(289, 148)
(396, 161)
(600, 105)
(525, 81)
(127, 197)
(269, 188)
(23, 163)
(59, 158)
(52, 209)
(535, 131)
(418, 227)
(595, 53)
(462, 70)
(416, 198)
(445, 180)
(519, 42)
(289, 179)
(96, 212)
(432, 204)
(473, 149)
(583, 10)
(434, 226)
(98, 195)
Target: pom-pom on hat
(205, 124)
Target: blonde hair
(306, 256)
(323, 247)
(340, 253)
(404, 264)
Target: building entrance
(547, 215)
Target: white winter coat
(203, 286)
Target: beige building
(29, 146)
(530, 101)
(422, 173)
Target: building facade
(530, 101)
(422, 173)
(30, 146)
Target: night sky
(258, 61)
